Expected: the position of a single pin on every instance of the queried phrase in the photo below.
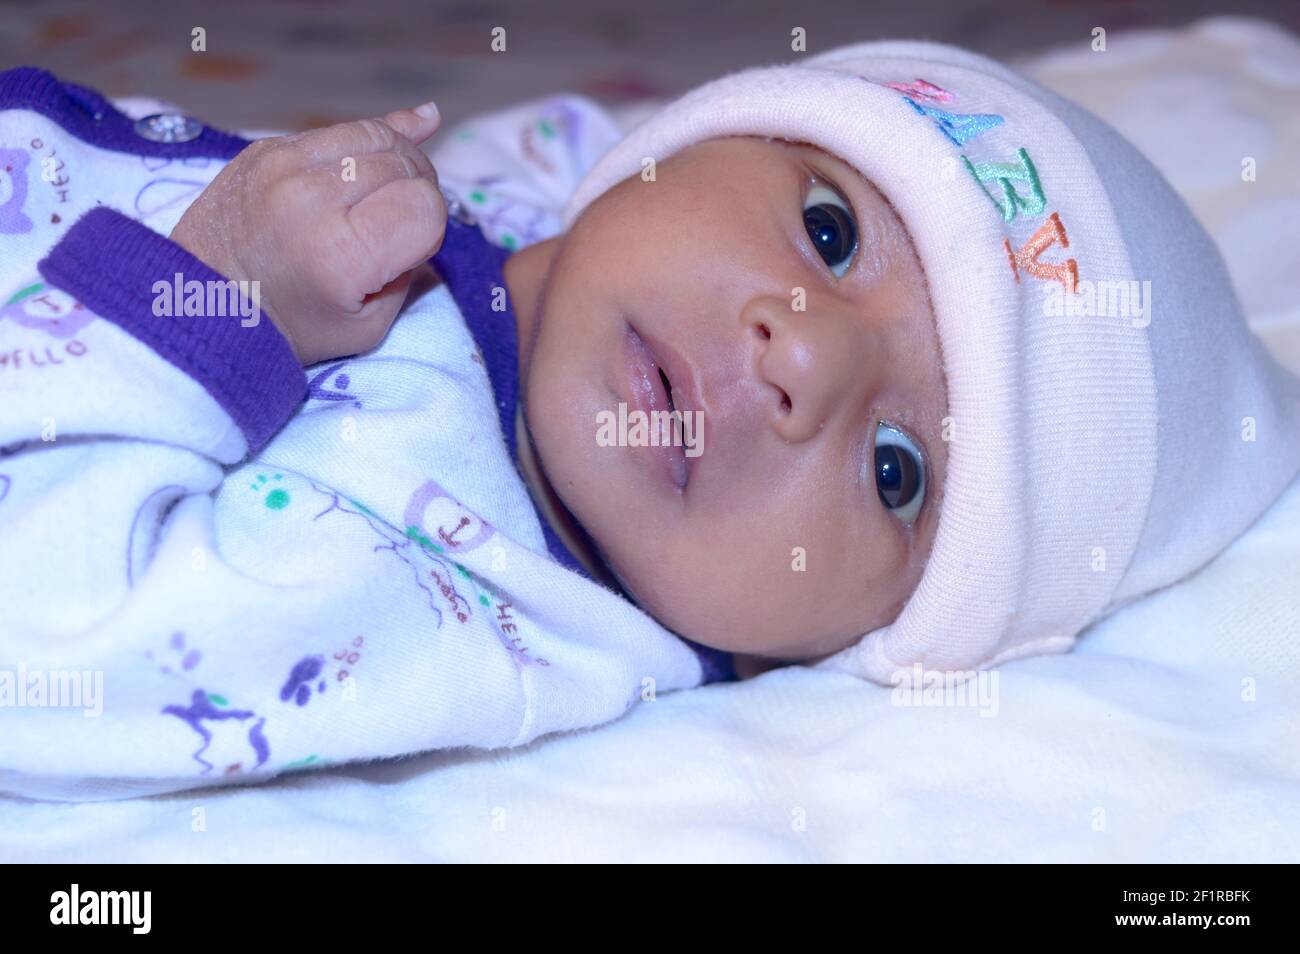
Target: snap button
(168, 127)
(458, 210)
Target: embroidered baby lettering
(1016, 190)
(1004, 174)
(1051, 232)
(961, 128)
(922, 89)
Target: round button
(457, 209)
(168, 127)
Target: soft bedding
(1172, 733)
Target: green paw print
(277, 498)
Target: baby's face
(782, 300)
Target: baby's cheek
(742, 598)
(879, 251)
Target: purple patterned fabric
(110, 262)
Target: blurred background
(295, 64)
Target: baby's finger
(358, 176)
(400, 226)
(358, 138)
(416, 124)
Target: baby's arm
(112, 414)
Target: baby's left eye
(900, 473)
(830, 226)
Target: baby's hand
(330, 222)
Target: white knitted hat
(1094, 457)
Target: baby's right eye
(900, 473)
(831, 229)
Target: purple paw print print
(298, 685)
(181, 657)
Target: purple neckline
(472, 267)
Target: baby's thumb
(416, 124)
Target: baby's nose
(815, 361)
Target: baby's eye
(830, 226)
(900, 473)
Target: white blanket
(1171, 734)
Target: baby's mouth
(668, 388)
(651, 392)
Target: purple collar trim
(89, 116)
(472, 267)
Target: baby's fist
(331, 223)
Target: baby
(968, 376)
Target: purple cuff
(110, 263)
(90, 117)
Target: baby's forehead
(806, 150)
(754, 163)
(818, 161)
